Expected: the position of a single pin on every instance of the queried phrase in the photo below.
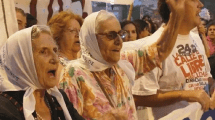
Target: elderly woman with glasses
(28, 64)
(65, 27)
(99, 83)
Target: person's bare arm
(167, 40)
(166, 98)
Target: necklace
(47, 103)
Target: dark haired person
(131, 30)
(21, 18)
(185, 74)
(142, 28)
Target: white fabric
(8, 21)
(174, 73)
(192, 111)
(18, 73)
(76, 8)
(88, 7)
(122, 2)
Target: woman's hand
(197, 96)
(176, 7)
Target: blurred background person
(131, 30)
(211, 37)
(142, 28)
(204, 23)
(31, 20)
(148, 20)
(65, 27)
(21, 18)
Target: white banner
(122, 2)
(191, 112)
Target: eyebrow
(19, 20)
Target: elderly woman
(131, 29)
(28, 83)
(65, 27)
(99, 82)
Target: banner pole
(130, 12)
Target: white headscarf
(18, 73)
(91, 57)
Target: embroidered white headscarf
(91, 57)
(18, 73)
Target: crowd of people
(102, 69)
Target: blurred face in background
(211, 32)
(144, 33)
(131, 32)
(21, 20)
(204, 24)
(70, 37)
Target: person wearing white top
(185, 74)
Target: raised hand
(177, 7)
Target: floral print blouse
(94, 94)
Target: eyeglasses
(74, 31)
(112, 34)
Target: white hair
(37, 29)
(103, 16)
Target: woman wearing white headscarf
(28, 63)
(99, 83)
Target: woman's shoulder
(9, 111)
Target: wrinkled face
(45, 60)
(132, 33)
(70, 38)
(191, 17)
(109, 48)
(211, 32)
(21, 20)
(144, 33)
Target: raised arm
(167, 39)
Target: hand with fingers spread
(197, 96)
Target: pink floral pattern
(89, 99)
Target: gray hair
(38, 29)
(103, 16)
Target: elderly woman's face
(46, 60)
(110, 48)
(70, 37)
(132, 33)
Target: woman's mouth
(52, 73)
